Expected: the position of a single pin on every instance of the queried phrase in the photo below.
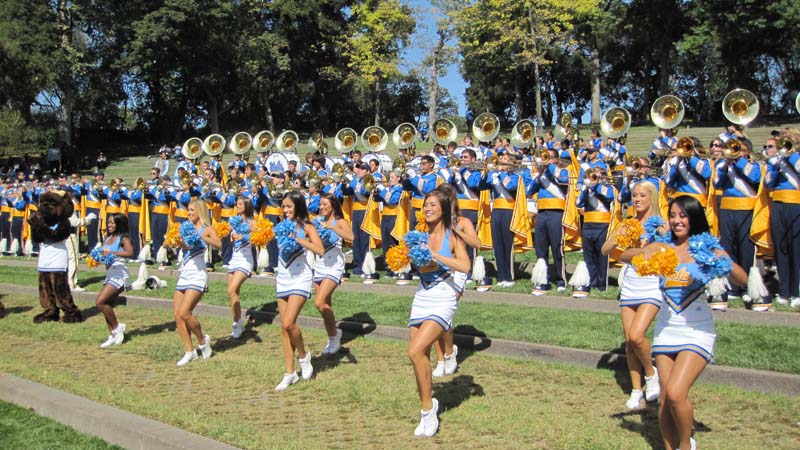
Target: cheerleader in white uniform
(446, 350)
(435, 301)
(684, 335)
(117, 243)
(329, 268)
(293, 286)
(639, 302)
(193, 283)
(240, 267)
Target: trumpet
(733, 149)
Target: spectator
(102, 163)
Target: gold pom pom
(422, 224)
(630, 235)
(173, 237)
(397, 257)
(223, 229)
(262, 232)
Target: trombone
(732, 150)
(686, 148)
(485, 127)
(667, 112)
(374, 138)
(740, 106)
(404, 135)
(444, 131)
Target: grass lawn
(740, 345)
(22, 429)
(365, 397)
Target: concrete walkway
(749, 379)
(111, 424)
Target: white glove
(495, 178)
(91, 217)
(457, 177)
(380, 188)
(410, 173)
(673, 160)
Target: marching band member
(662, 146)
(293, 283)
(182, 197)
(783, 177)
(271, 210)
(738, 178)
(549, 142)
(434, 302)
(360, 195)
(639, 300)
(237, 163)
(503, 187)
(227, 199)
(6, 207)
(732, 131)
(92, 202)
(113, 198)
(688, 174)
(596, 202)
(193, 283)
(134, 196)
(329, 268)
(240, 265)
(551, 185)
(467, 182)
(158, 195)
(390, 197)
(420, 184)
(119, 247)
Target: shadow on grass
(91, 280)
(152, 329)
(250, 333)
(328, 362)
(265, 314)
(648, 426)
(16, 310)
(359, 324)
(615, 360)
(469, 340)
(90, 312)
(454, 392)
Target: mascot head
(55, 206)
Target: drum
(277, 162)
(293, 157)
(386, 162)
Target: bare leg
(235, 281)
(323, 300)
(685, 370)
(291, 336)
(183, 305)
(419, 349)
(669, 432)
(107, 296)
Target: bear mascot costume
(50, 227)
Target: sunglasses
(768, 146)
(716, 145)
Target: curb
(111, 424)
(748, 379)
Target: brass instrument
(399, 167)
(785, 146)
(139, 184)
(491, 164)
(740, 106)
(241, 143)
(485, 127)
(278, 190)
(797, 102)
(186, 180)
(444, 131)
(594, 175)
(263, 141)
(113, 186)
(667, 112)
(615, 122)
(404, 135)
(564, 129)
(685, 147)
(345, 140)
(374, 139)
(213, 145)
(634, 168)
(368, 182)
(316, 142)
(337, 172)
(733, 149)
(312, 178)
(287, 141)
(523, 133)
(454, 162)
(192, 148)
(233, 187)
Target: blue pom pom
(702, 248)
(285, 228)
(414, 238)
(97, 255)
(235, 222)
(651, 234)
(324, 233)
(419, 256)
(189, 234)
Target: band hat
(564, 154)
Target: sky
(425, 34)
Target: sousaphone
(404, 136)
(485, 127)
(193, 148)
(444, 131)
(740, 106)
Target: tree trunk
(377, 103)
(518, 96)
(595, 75)
(664, 69)
(66, 88)
(213, 114)
(537, 89)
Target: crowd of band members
(567, 210)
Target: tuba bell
(213, 145)
(522, 133)
(615, 122)
(316, 141)
(485, 127)
(263, 141)
(667, 112)
(399, 167)
(287, 141)
(139, 185)
(345, 140)
(564, 129)
(444, 131)
(192, 148)
(404, 135)
(241, 143)
(740, 106)
(374, 139)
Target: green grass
(366, 396)
(22, 429)
(740, 345)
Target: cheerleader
(446, 351)
(435, 301)
(193, 283)
(118, 245)
(240, 266)
(639, 301)
(329, 268)
(293, 282)
(684, 334)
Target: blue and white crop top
(683, 287)
(434, 277)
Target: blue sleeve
(721, 180)
(701, 167)
(750, 170)
(473, 180)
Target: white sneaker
(77, 289)
(795, 303)
(108, 342)
(760, 307)
(450, 362)
(187, 358)
(746, 298)
(306, 369)
(781, 301)
(652, 388)
(288, 380)
(119, 334)
(238, 329)
(205, 349)
(693, 444)
(334, 344)
(438, 372)
(719, 306)
(635, 400)
(428, 422)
